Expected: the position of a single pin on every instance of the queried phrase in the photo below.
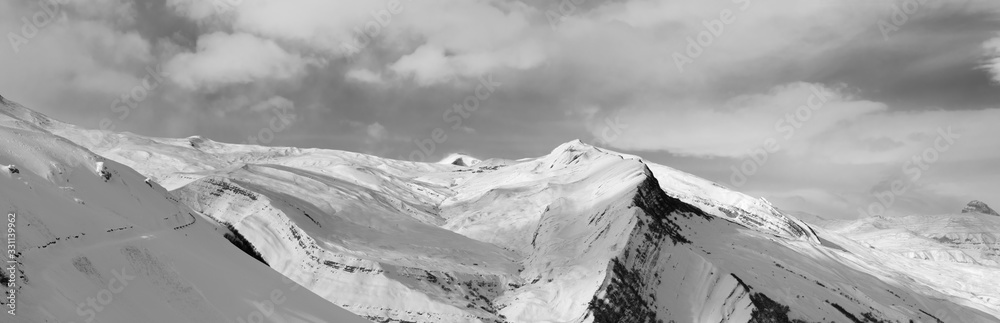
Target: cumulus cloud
(466, 38)
(275, 102)
(633, 41)
(74, 54)
(992, 53)
(323, 25)
(364, 75)
(894, 137)
(222, 59)
(790, 115)
(427, 64)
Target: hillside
(582, 234)
(95, 242)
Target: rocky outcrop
(979, 207)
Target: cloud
(376, 131)
(791, 115)
(275, 102)
(894, 137)
(364, 75)
(73, 60)
(992, 61)
(427, 64)
(222, 59)
(466, 38)
(322, 25)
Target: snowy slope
(962, 238)
(582, 234)
(562, 223)
(955, 254)
(94, 242)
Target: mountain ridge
(979, 207)
(96, 241)
(583, 234)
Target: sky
(843, 109)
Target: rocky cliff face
(979, 207)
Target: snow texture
(582, 234)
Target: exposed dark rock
(664, 210)
(628, 296)
(223, 186)
(979, 207)
(866, 317)
(623, 300)
(242, 243)
(767, 310)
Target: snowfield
(582, 234)
(96, 249)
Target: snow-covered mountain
(458, 159)
(956, 254)
(582, 234)
(979, 207)
(967, 237)
(94, 242)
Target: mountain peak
(979, 207)
(459, 159)
(574, 145)
(572, 151)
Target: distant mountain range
(208, 231)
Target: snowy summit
(458, 159)
(979, 207)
